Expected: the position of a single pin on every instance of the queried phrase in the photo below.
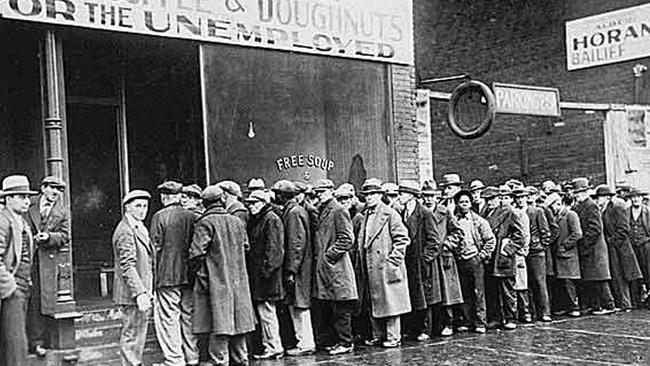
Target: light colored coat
(565, 252)
(134, 264)
(10, 251)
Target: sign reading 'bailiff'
(380, 30)
(609, 37)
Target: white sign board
(379, 30)
(609, 37)
(530, 100)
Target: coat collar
(439, 213)
(326, 210)
(381, 215)
(35, 212)
(131, 222)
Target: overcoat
(298, 255)
(553, 227)
(171, 233)
(333, 239)
(134, 263)
(616, 228)
(594, 260)
(565, 249)
(238, 210)
(266, 236)
(420, 255)
(450, 238)
(381, 242)
(10, 251)
(645, 221)
(509, 233)
(222, 298)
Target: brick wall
(518, 42)
(404, 122)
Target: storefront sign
(380, 30)
(300, 161)
(529, 100)
(607, 38)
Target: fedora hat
(410, 186)
(552, 198)
(520, 192)
(476, 185)
(390, 189)
(505, 190)
(514, 183)
(256, 183)
(136, 194)
(430, 188)
(344, 190)
(372, 185)
(323, 184)
(450, 180)
(16, 184)
(633, 192)
(580, 185)
(490, 192)
(604, 190)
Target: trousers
(133, 335)
(388, 328)
(541, 305)
(507, 299)
(620, 287)
(13, 340)
(301, 319)
(472, 281)
(271, 341)
(227, 350)
(173, 321)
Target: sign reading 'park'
(380, 30)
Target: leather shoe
(269, 356)
(391, 344)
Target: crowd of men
(339, 267)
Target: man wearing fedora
(639, 216)
(478, 203)
(134, 271)
(171, 233)
(16, 251)
(49, 222)
(592, 249)
(623, 265)
(450, 184)
(334, 282)
(430, 194)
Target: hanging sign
(380, 30)
(302, 160)
(529, 100)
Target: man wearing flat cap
(191, 199)
(623, 264)
(233, 195)
(16, 250)
(50, 224)
(334, 281)
(134, 270)
(639, 216)
(222, 297)
(171, 234)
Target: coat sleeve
(7, 280)
(296, 237)
(592, 227)
(431, 245)
(126, 252)
(156, 232)
(487, 237)
(400, 237)
(515, 234)
(455, 237)
(274, 253)
(343, 241)
(621, 226)
(60, 233)
(552, 225)
(544, 228)
(575, 232)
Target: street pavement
(620, 339)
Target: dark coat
(266, 235)
(565, 249)
(333, 239)
(645, 222)
(238, 210)
(298, 255)
(420, 255)
(171, 233)
(616, 227)
(449, 237)
(222, 297)
(134, 264)
(553, 227)
(509, 233)
(594, 260)
(57, 223)
(382, 240)
(540, 232)
(10, 251)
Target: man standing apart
(50, 225)
(382, 242)
(16, 247)
(222, 298)
(133, 283)
(171, 234)
(639, 215)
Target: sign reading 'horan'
(609, 37)
(380, 30)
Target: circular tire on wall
(472, 107)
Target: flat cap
(256, 183)
(192, 190)
(323, 184)
(53, 181)
(170, 187)
(230, 187)
(134, 195)
(344, 190)
(301, 187)
(257, 195)
(212, 193)
(285, 186)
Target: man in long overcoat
(266, 235)
(623, 265)
(565, 256)
(171, 234)
(222, 298)
(639, 215)
(594, 259)
(233, 194)
(334, 281)
(381, 243)
(49, 222)
(419, 258)
(297, 266)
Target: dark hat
(53, 181)
(16, 184)
(285, 186)
(514, 183)
(633, 192)
(430, 188)
(580, 185)
(505, 190)
(372, 185)
(490, 192)
(390, 189)
(450, 180)
(410, 186)
(192, 190)
(550, 186)
(323, 184)
(532, 190)
(212, 193)
(463, 192)
(136, 194)
(257, 196)
(604, 190)
(170, 187)
(344, 190)
(520, 192)
(552, 198)
(230, 187)
(301, 187)
(476, 185)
